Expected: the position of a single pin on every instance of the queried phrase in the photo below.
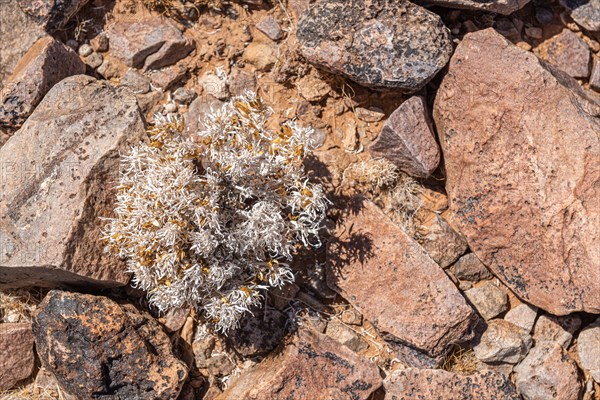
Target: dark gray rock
(376, 43)
(259, 332)
(97, 348)
(407, 139)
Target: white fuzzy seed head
(213, 219)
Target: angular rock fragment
(588, 349)
(523, 316)
(469, 268)
(313, 366)
(440, 241)
(523, 176)
(407, 139)
(16, 353)
(550, 328)
(390, 279)
(489, 300)
(46, 63)
(98, 348)
(567, 52)
(503, 342)
(152, 43)
(345, 335)
(57, 181)
(375, 43)
(270, 27)
(51, 14)
(586, 13)
(548, 372)
(436, 384)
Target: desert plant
(213, 218)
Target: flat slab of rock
(522, 175)
(57, 182)
(375, 43)
(437, 384)
(505, 7)
(588, 349)
(16, 353)
(98, 348)
(313, 366)
(567, 52)
(51, 14)
(548, 372)
(46, 63)
(407, 139)
(151, 43)
(390, 279)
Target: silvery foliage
(213, 218)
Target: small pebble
(270, 27)
(544, 16)
(85, 50)
(170, 108)
(534, 32)
(72, 43)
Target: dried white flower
(213, 219)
